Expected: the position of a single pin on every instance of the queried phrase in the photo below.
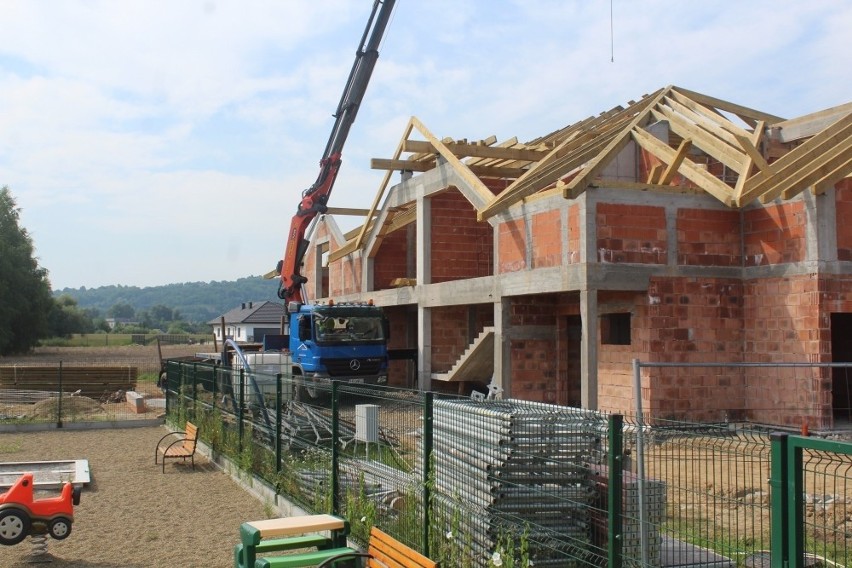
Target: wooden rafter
(464, 150)
(802, 166)
(688, 168)
(579, 184)
(726, 106)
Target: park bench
(384, 551)
(178, 445)
(291, 533)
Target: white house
(249, 322)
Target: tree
(122, 310)
(25, 299)
(66, 318)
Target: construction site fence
(480, 482)
(58, 394)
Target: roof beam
(579, 184)
(736, 109)
(688, 168)
(477, 151)
(792, 168)
(671, 170)
(713, 146)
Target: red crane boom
(315, 198)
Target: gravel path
(132, 515)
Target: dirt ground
(145, 357)
(132, 515)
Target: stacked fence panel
(513, 476)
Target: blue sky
(153, 142)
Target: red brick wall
(631, 233)
(694, 320)
(786, 320)
(449, 336)
(547, 239)
(709, 238)
(774, 234)
(392, 260)
(534, 361)
(575, 237)
(843, 212)
(345, 276)
(462, 247)
(511, 240)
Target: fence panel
(518, 483)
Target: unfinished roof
(763, 156)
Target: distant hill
(196, 301)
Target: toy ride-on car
(21, 515)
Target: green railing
(811, 502)
(509, 482)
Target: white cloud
(147, 129)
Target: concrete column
(502, 346)
(821, 236)
(589, 356)
(424, 348)
(424, 244)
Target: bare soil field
(132, 515)
(144, 357)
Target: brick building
(680, 228)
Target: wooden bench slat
(395, 554)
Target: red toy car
(21, 515)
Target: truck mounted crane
(315, 198)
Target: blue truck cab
(337, 342)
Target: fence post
(428, 403)
(779, 536)
(278, 424)
(59, 404)
(615, 466)
(795, 501)
(241, 407)
(335, 452)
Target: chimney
(250, 304)
(244, 305)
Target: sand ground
(132, 515)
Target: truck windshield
(348, 328)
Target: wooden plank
(655, 173)
(766, 181)
(810, 124)
(347, 211)
(832, 177)
(479, 189)
(705, 115)
(478, 151)
(671, 170)
(579, 184)
(703, 178)
(825, 167)
(729, 106)
(731, 157)
(286, 526)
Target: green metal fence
(517, 483)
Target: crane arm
(315, 198)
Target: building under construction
(679, 228)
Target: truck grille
(353, 366)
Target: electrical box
(367, 423)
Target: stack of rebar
(508, 471)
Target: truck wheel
(59, 528)
(14, 526)
(306, 394)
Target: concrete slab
(46, 474)
(678, 554)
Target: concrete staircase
(476, 363)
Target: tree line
(30, 311)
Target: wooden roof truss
(702, 129)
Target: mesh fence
(515, 483)
(59, 394)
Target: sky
(150, 142)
